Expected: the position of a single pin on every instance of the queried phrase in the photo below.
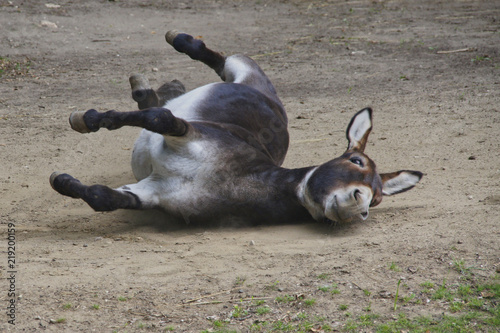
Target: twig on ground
(455, 51)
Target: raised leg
(237, 68)
(146, 97)
(158, 120)
(101, 198)
(142, 92)
(196, 50)
(170, 90)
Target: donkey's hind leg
(196, 50)
(146, 97)
(237, 68)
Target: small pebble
(48, 24)
(252, 242)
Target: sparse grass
(310, 302)
(334, 291)
(407, 299)
(239, 281)
(343, 307)
(122, 299)
(324, 288)
(218, 326)
(396, 297)
(259, 302)
(239, 311)
(394, 267)
(467, 306)
(285, 299)
(427, 284)
(302, 316)
(273, 286)
(330, 288)
(263, 310)
(479, 58)
(464, 290)
(60, 320)
(14, 68)
(95, 306)
(459, 266)
(67, 306)
(442, 292)
(456, 306)
(476, 303)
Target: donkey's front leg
(158, 120)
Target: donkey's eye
(356, 160)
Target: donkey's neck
(285, 191)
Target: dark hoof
(53, 177)
(170, 36)
(60, 182)
(142, 92)
(77, 123)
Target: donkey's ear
(358, 130)
(400, 181)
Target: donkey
(215, 153)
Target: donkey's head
(346, 187)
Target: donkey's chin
(346, 216)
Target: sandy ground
(430, 70)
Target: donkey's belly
(186, 106)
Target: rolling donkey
(215, 153)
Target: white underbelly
(186, 106)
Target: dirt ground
(429, 69)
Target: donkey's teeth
(77, 123)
